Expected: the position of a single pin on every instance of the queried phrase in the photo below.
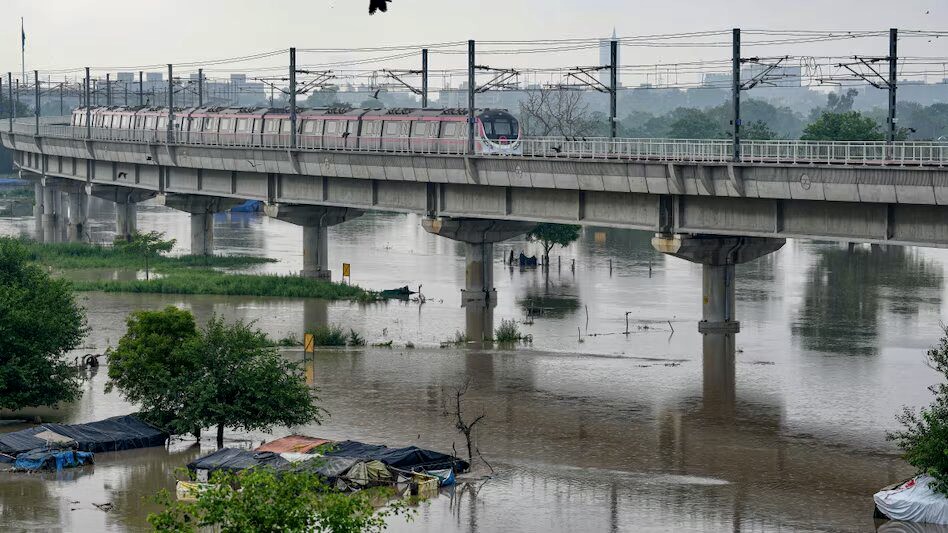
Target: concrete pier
(202, 209)
(126, 202)
(718, 256)
(78, 213)
(478, 297)
(316, 221)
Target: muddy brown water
(619, 432)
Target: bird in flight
(378, 5)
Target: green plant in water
(145, 245)
(329, 335)
(508, 332)
(355, 339)
(289, 341)
(924, 437)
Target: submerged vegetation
(335, 335)
(186, 274)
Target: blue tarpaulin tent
(51, 459)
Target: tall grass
(181, 281)
(507, 332)
(82, 255)
(329, 335)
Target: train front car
(498, 133)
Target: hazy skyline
(107, 34)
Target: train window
(309, 126)
(333, 127)
(419, 129)
(286, 126)
(373, 127)
(273, 125)
(241, 124)
(392, 129)
(210, 124)
(149, 123)
(227, 125)
(450, 129)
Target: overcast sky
(112, 33)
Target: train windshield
(500, 126)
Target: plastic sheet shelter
(234, 460)
(293, 444)
(51, 459)
(913, 501)
(112, 434)
(409, 458)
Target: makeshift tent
(234, 461)
(365, 473)
(409, 458)
(913, 501)
(446, 477)
(294, 444)
(51, 459)
(330, 468)
(112, 434)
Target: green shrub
(924, 437)
(355, 339)
(329, 335)
(507, 332)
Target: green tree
(148, 245)
(549, 235)
(848, 126)
(692, 123)
(267, 501)
(757, 131)
(924, 437)
(40, 321)
(223, 376)
(150, 369)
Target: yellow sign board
(309, 343)
(346, 270)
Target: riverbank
(185, 274)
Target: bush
(331, 335)
(924, 438)
(507, 332)
(355, 339)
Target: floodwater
(588, 428)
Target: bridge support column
(78, 209)
(126, 206)
(478, 297)
(316, 221)
(51, 198)
(202, 209)
(37, 206)
(718, 256)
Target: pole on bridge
(10, 98)
(125, 98)
(200, 87)
(424, 78)
(141, 88)
(471, 89)
(736, 92)
(61, 88)
(613, 86)
(292, 97)
(170, 103)
(38, 100)
(893, 82)
(88, 107)
(95, 92)
(17, 91)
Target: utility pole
(424, 78)
(471, 88)
(17, 97)
(893, 82)
(141, 88)
(292, 97)
(61, 88)
(736, 92)
(108, 89)
(38, 102)
(88, 108)
(95, 92)
(10, 97)
(613, 86)
(125, 98)
(200, 87)
(170, 104)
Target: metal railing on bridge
(714, 151)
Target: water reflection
(848, 290)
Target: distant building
(605, 57)
(782, 76)
(127, 77)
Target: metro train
(403, 130)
